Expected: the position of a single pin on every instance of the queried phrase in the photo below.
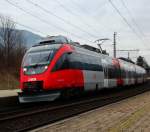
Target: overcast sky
(87, 20)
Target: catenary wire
(42, 20)
(133, 20)
(125, 20)
(85, 10)
(74, 14)
(60, 18)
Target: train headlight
(24, 69)
(46, 67)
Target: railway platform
(9, 93)
(132, 114)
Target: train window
(123, 73)
(115, 72)
(72, 59)
(40, 57)
(78, 61)
(93, 64)
(85, 62)
(118, 72)
(106, 72)
(111, 71)
(75, 61)
(62, 63)
(65, 63)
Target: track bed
(31, 116)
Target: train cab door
(63, 74)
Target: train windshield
(38, 58)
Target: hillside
(31, 38)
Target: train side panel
(69, 78)
(93, 80)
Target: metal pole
(114, 44)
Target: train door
(63, 74)
(105, 69)
(93, 73)
(106, 79)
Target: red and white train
(58, 65)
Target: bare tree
(11, 42)
(6, 35)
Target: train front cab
(39, 80)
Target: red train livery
(58, 65)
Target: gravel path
(131, 114)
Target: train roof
(91, 48)
(85, 49)
(54, 42)
(64, 40)
(50, 40)
(44, 47)
(59, 40)
(126, 59)
(128, 64)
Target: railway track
(33, 117)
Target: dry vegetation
(8, 81)
(12, 50)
